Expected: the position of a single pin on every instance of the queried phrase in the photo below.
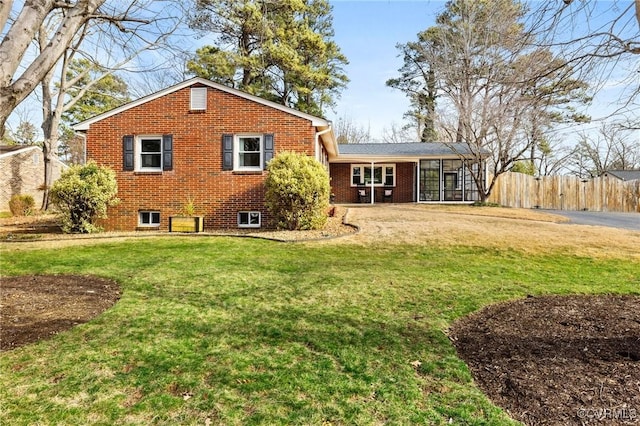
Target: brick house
(206, 142)
(22, 173)
(200, 141)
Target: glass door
(429, 180)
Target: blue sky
(367, 33)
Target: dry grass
(530, 231)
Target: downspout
(84, 148)
(83, 135)
(318, 134)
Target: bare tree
(103, 52)
(25, 132)
(599, 40)
(495, 90)
(397, 133)
(612, 147)
(16, 84)
(347, 131)
(23, 68)
(551, 157)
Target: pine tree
(282, 51)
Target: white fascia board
(328, 139)
(315, 121)
(342, 158)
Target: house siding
(197, 156)
(403, 192)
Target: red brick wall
(345, 193)
(197, 157)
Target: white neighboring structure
(22, 173)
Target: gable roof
(398, 151)
(625, 175)
(315, 121)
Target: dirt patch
(557, 360)
(38, 306)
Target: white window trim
(236, 152)
(151, 224)
(375, 165)
(137, 154)
(250, 225)
(198, 99)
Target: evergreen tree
(96, 89)
(417, 80)
(282, 51)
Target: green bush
(22, 205)
(82, 195)
(525, 167)
(297, 193)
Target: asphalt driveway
(610, 219)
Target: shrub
(22, 205)
(297, 192)
(82, 195)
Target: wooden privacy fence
(604, 193)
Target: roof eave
(368, 158)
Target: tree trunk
(15, 88)
(50, 130)
(49, 150)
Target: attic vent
(198, 98)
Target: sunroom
(405, 172)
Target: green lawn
(244, 331)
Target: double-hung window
(150, 149)
(249, 152)
(147, 153)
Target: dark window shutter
(167, 152)
(127, 152)
(227, 152)
(268, 148)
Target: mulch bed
(557, 360)
(38, 306)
